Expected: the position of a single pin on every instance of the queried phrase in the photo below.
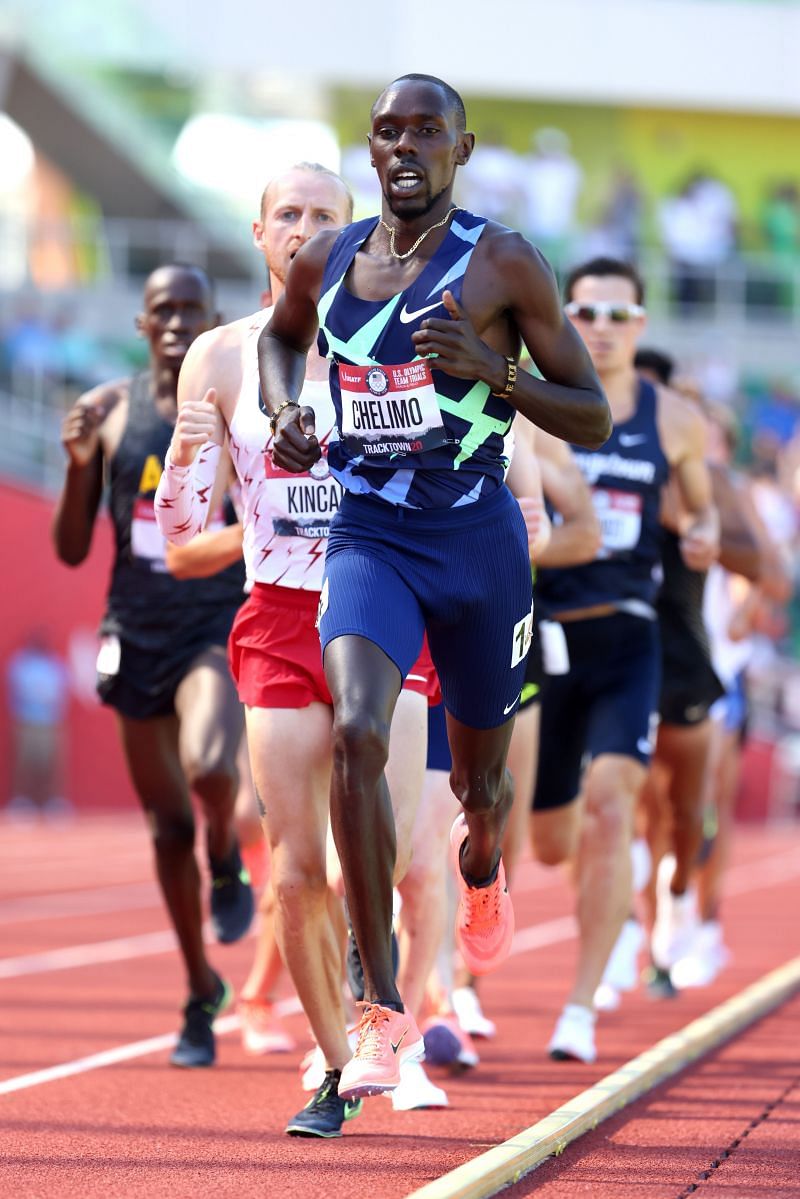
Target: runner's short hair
(661, 364)
(317, 168)
(604, 268)
(450, 94)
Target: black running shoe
(196, 1045)
(232, 905)
(658, 984)
(325, 1114)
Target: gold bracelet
(273, 420)
(511, 379)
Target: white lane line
(121, 949)
(526, 940)
(118, 950)
(740, 880)
(124, 1053)
(121, 897)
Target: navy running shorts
(463, 575)
(606, 703)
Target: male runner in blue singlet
(603, 703)
(421, 313)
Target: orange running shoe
(262, 1030)
(485, 917)
(386, 1039)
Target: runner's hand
(295, 447)
(196, 424)
(537, 523)
(80, 432)
(457, 348)
(699, 547)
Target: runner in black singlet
(165, 675)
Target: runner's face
(612, 345)
(415, 147)
(298, 205)
(178, 307)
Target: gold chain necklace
(393, 233)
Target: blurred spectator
(493, 185)
(699, 231)
(780, 220)
(38, 690)
(618, 233)
(552, 181)
(30, 346)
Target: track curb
(507, 1163)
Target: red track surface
(138, 1128)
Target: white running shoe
(313, 1066)
(606, 998)
(416, 1090)
(573, 1038)
(622, 968)
(467, 1006)
(676, 919)
(707, 957)
(641, 864)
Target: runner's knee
(554, 835)
(211, 771)
(360, 746)
(481, 790)
(296, 880)
(172, 832)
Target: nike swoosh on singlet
(632, 438)
(407, 317)
(511, 705)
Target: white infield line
(124, 1053)
(487, 1174)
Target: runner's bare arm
(79, 501)
(683, 436)
(739, 548)
(186, 491)
(576, 535)
(569, 401)
(525, 482)
(207, 554)
(282, 348)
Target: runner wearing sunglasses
(600, 638)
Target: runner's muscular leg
(151, 750)
(364, 684)
(603, 871)
(480, 782)
(211, 723)
(290, 758)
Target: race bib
(390, 409)
(148, 545)
(302, 505)
(147, 542)
(521, 639)
(620, 516)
